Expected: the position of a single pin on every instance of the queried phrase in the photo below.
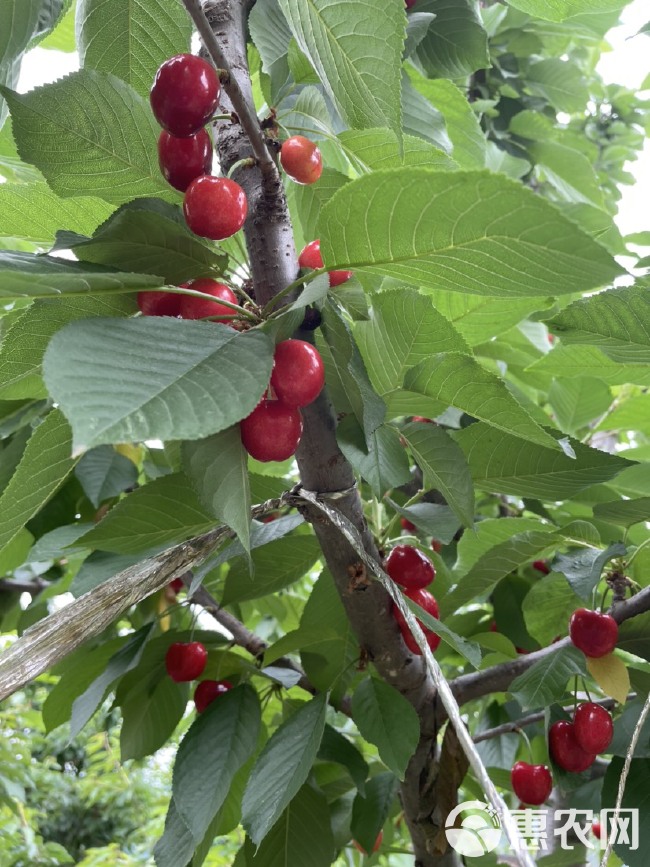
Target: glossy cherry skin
(541, 566)
(214, 207)
(185, 660)
(409, 567)
(177, 585)
(310, 257)
(183, 159)
(565, 749)
(428, 602)
(593, 727)
(159, 303)
(532, 784)
(206, 692)
(272, 431)
(301, 160)
(375, 848)
(407, 525)
(184, 94)
(593, 633)
(201, 308)
(298, 373)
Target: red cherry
(541, 566)
(159, 303)
(298, 373)
(436, 546)
(214, 207)
(565, 749)
(177, 585)
(532, 784)
(200, 308)
(421, 418)
(428, 602)
(310, 257)
(407, 525)
(185, 94)
(272, 431)
(206, 692)
(410, 3)
(272, 516)
(185, 661)
(301, 160)
(593, 633)
(493, 626)
(596, 830)
(183, 159)
(375, 848)
(593, 727)
(409, 567)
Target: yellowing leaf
(611, 675)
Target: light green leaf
(161, 512)
(282, 768)
(559, 10)
(569, 171)
(462, 382)
(443, 466)
(44, 466)
(456, 44)
(276, 565)
(578, 401)
(509, 465)
(584, 360)
(548, 606)
(356, 49)
(311, 198)
(62, 129)
(379, 459)
(489, 533)
(118, 381)
(545, 682)
(218, 469)
(131, 39)
(18, 23)
(387, 720)
(421, 119)
(624, 513)
(26, 275)
(464, 231)
(560, 82)
(380, 149)
(33, 212)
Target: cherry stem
(306, 278)
(575, 694)
(604, 596)
(246, 163)
(525, 737)
(247, 116)
(586, 689)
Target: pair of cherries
(185, 661)
(190, 306)
(413, 571)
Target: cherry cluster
(413, 571)
(185, 661)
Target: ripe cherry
(375, 848)
(301, 160)
(407, 525)
(532, 784)
(185, 94)
(185, 661)
(159, 303)
(596, 830)
(177, 585)
(593, 727)
(428, 602)
(206, 692)
(310, 257)
(436, 546)
(593, 633)
(565, 749)
(298, 373)
(541, 566)
(422, 419)
(214, 207)
(272, 431)
(410, 3)
(409, 567)
(183, 159)
(200, 308)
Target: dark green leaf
(275, 566)
(370, 812)
(337, 748)
(105, 473)
(545, 682)
(583, 568)
(380, 459)
(456, 44)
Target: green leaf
(351, 47)
(44, 466)
(149, 717)
(161, 512)
(464, 231)
(443, 466)
(105, 473)
(421, 119)
(217, 744)
(117, 381)
(456, 43)
(469, 649)
(129, 39)
(379, 459)
(569, 171)
(18, 23)
(218, 469)
(380, 149)
(62, 129)
(559, 10)
(616, 321)
(499, 462)
(370, 812)
(431, 519)
(337, 748)
(578, 401)
(635, 797)
(624, 513)
(276, 565)
(548, 606)
(34, 213)
(634, 636)
(282, 767)
(62, 37)
(460, 381)
(24, 344)
(583, 568)
(569, 361)
(560, 82)
(545, 682)
(387, 720)
(301, 836)
(26, 275)
(151, 236)
(311, 198)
